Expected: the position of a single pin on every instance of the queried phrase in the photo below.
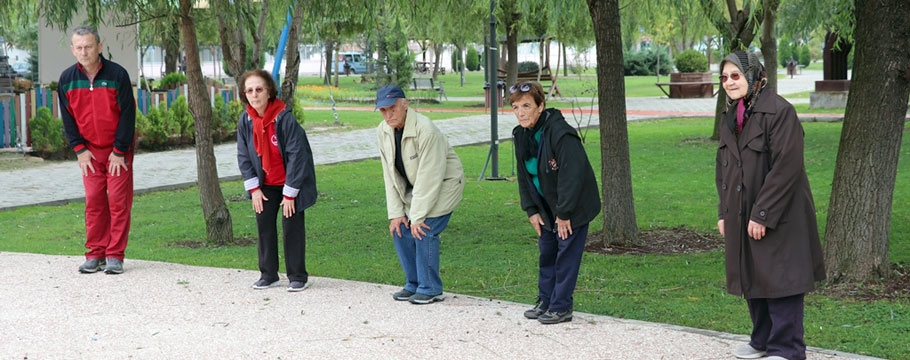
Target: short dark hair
(269, 84)
(83, 30)
(534, 89)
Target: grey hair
(83, 30)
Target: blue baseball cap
(388, 95)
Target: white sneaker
(748, 352)
(775, 358)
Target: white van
(353, 63)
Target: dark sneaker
(295, 286)
(91, 266)
(403, 295)
(552, 317)
(113, 266)
(536, 311)
(422, 299)
(264, 284)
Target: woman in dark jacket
(766, 212)
(558, 192)
(276, 164)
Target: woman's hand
(258, 198)
(756, 230)
(536, 222)
(720, 226)
(287, 206)
(563, 228)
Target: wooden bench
(429, 84)
(695, 83)
(545, 77)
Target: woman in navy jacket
(276, 164)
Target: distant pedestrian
(99, 120)
(424, 180)
(558, 192)
(766, 213)
(276, 165)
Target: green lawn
(489, 250)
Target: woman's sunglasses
(735, 76)
(257, 90)
(523, 88)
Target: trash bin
(500, 86)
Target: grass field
(489, 250)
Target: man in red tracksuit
(99, 119)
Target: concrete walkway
(160, 310)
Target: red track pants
(108, 204)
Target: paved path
(161, 310)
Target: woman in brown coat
(766, 212)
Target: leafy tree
(619, 224)
(472, 61)
(859, 214)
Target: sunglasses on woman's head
(523, 88)
(735, 76)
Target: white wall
(54, 54)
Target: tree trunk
(218, 226)
(437, 50)
(859, 215)
(292, 58)
(171, 44)
(233, 47)
(329, 59)
(619, 224)
(769, 42)
(510, 23)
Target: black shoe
(91, 266)
(264, 284)
(422, 299)
(295, 286)
(536, 311)
(403, 295)
(552, 317)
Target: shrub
(528, 66)
(691, 61)
(472, 62)
(47, 135)
(456, 61)
(152, 128)
(180, 121)
(172, 81)
(644, 62)
(804, 57)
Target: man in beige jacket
(424, 180)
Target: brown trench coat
(772, 189)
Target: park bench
(546, 79)
(429, 84)
(702, 85)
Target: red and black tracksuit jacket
(100, 112)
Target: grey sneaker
(536, 311)
(264, 284)
(295, 286)
(114, 266)
(553, 317)
(423, 299)
(748, 352)
(403, 295)
(91, 266)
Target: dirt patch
(193, 244)
(679, 240)
(682, 240)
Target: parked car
(353, 63)
(22, 68)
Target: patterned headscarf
(756, 77)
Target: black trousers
(777, 326)
(294, 231)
